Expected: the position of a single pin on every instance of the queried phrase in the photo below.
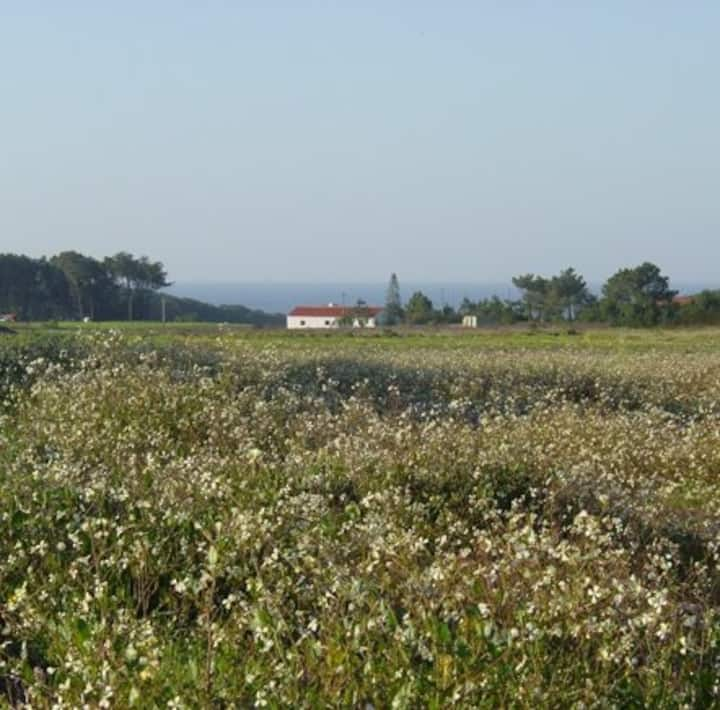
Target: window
(302, 322)
(327, 322)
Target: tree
(638, 296)
(702, 308)
(123, 268)
(70, 285)
(447, 314)
(535, 292)
(492, 311)
(560, 296)
(358, 314)
(150, 275)
(51, 293)
(91, 286)
(419, 308)
(136, 275)
(467, 307)
(570, 292)
(33, 288)
(393, 312)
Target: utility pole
(164, 309)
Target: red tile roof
(683, 300)
(334, 311)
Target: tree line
(637, 296)
(74, 286)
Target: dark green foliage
(569, 293)
(493, 311)
(637, 297)
(32, 288)
(562, 296)
(535, 290)
(393, 313)
(138, 277)
(419, 309)
(93, 292)
(72, 286)
(704, 309)
(191, 310)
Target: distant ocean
(282, 297)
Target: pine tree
(393, 313)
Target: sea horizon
(281, 297)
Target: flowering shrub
(246, 525)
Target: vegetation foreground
(226, 521)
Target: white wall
(311, 322)
(300, 322)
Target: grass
(702, 339)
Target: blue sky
(339, 141)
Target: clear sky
(341, 140)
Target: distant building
(678, 300)
(332, 316)
(470, 322)
(8, 317)
(683, 300)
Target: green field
(208, 516)
(511, 337)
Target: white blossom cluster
(335, 524)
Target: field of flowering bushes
(239, 522)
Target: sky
(338, 141)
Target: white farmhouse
(332, 316)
